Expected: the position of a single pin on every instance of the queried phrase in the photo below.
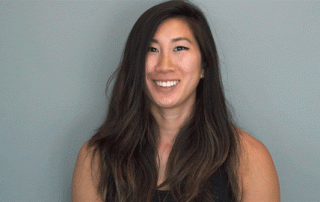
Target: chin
(165, 104)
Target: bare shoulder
(258, 175)
(85, 176)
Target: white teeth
(166, 84)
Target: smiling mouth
(166, 84)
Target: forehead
(174, 27)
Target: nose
(165, 63)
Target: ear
(202, 73)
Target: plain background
(56, 57)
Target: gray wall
(57, 56)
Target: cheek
(192, 65)
(147, 67)
(151, 61)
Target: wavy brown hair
(126, 143)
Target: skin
(85, 179)
(174, 55)
(258, 176)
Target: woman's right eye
(152, 49)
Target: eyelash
(178, 48)
(152, 49)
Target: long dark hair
(126, 143)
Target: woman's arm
(85, 177)
(259, 179)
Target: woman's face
(173, 65)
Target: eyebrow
(174, 40)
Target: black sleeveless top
(218, 186)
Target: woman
(168, 135)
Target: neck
(170, 121)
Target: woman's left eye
(180, 48)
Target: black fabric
(218, 185)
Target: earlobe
(202, 73)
